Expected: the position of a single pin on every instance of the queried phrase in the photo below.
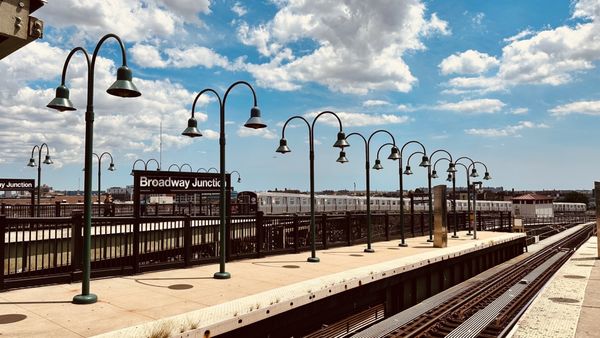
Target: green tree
(575, 197)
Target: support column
(440, 231)
(597, 194)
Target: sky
(512, 84)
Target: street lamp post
(477, 185)
(451, 178)
(393, 156)
(473, 174)
(111, 167)
(451, 169)
(122, 87)
(253, 122)
(340, 143)
(239, 177)
(32, 163)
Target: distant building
(533, 206)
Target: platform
(569, 305)
(186, 299)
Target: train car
(569, 207)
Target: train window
(277, 200)
(291, 201)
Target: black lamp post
(451, 169)
(393, 156)
(122, 87)
(340, 143)
(473, 174)
(174, 165)
(253, 122)
(32, 164)
(424, 163)
(239, 177)
(477, 185)
(451, 178)
(111, 167)
(145, 164)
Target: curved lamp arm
(210, 90)
(239, 179)
(413, 141)
(199, 170)
(384, 145)
(411, 155)
(174, 165)
(189, 166)
(216, 170)
(442, 158)
(294, 118)
(148, 162)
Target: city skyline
(510, 84)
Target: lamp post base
(404, 245)
(454, 236)
(430, 240)
(222, 275)
(313, 259)
(85, 299)
(369, 250)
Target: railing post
(77, 241)
(501, 220)
(479, 220)
(2, 234)
(187, 240)
(422, 218)
(136, 245)
(387, 226)
(57, 209)
(296, 239)
(349, 228)
(259, 231)
(3, 208)
(324, 230)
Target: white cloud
(351, 56)
(149, 56)
(121, 125)
(520, 111)
(263, 132)
(375, 103)
(550, 57)
(360, 119)
(131, 20)
(473, 106)
(239, 9)
(469, 62)
(477, 19)
(580, 107)
(513, 130)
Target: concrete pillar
(440, 228)
(597, 194)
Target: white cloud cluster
(131, 20)
(239, 9)
(513, 130)
(579, 107)
(473, 106)
(147, 55)
(548, 57)
(469, 62)
(375, 103)
(359, 44)
(130, 125)
(359, 119)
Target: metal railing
(41, 250)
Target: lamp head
(407, 171)
(283, 147)
(124, 86)
(31, 163)
(192, 128)
(487, 176)
(48, 160)
(434, 174)
(474, 173)
(239, 180)
(451, 168)
(342, 158)
(255, 122)
(424, 161)
(450, 176)
(111, 167)
(61, 101)
(395, 154)
(341, 141)
(377, 165)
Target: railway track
(488, 308)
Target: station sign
(165, 182)
(16, 184)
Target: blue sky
(508, 83)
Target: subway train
(283, 203)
